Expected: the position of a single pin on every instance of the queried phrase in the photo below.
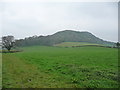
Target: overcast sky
(45, 18)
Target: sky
(24, 19)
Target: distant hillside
(75, 44)
(63, 36)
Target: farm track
(23, 75)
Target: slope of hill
(63, 36)
(76, 36)
(75, 44)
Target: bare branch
(8, 42)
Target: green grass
(56, 67)
(70, 44)
(0, 70)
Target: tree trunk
(9, 49)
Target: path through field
(18, 74)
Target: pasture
(73, 44)
(60, 67)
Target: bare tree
(8, 42)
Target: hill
(63, 36)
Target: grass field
(0, 70)
(59, 67)
(71, 44)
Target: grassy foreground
(41, 67)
